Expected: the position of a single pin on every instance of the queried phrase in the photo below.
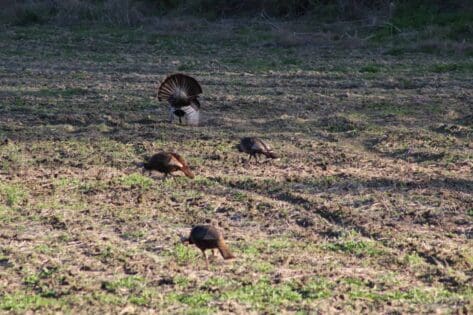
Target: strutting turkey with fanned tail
(181, 91)
(167, 163)
(254, 147)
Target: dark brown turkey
(167, 163)
(209, 237)
(181, 92)
(254, 147)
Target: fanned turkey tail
(179, 90)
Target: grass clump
(370, 69)
(356, 247)
(48, 282)
(416, 295)
(136, 180)
(263, 293)
(13, 194)
(135, 286)
(181, 281)
(452, 67)
(184, 254)
(11, 157)
(339, 124)
(317, 288)
(19, 301)
(218, 282)
(384, 108)
(197, 299)
(131, 283)
(263, 266)
(413, 259)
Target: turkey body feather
(167, 163)
(254, 147)
(209, 237)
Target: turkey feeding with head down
(254, 147)
(209, 237)
(167, 163)
(181, 91)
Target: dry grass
(369, 210)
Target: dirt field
(368, 210)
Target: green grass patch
(356, 247)
(66, 182)
(240, 196)
(20, 301)
(274, 245)
(136, 180)
(184, 254)
(316, 288)
(278, 244)
(12, 194)
(43, 249)
(340, 124)
(107, 298)
(452, 67)
(263, 266)
(142, 298)
(66, 92)
(197, 299)
(371, 68)
(413, 259)
(249, 249)
(48, 282)
(134, 234)
(131, 283)
(92, 185)
(416, 295)
(202, 181)
(391, 109)
(452, 23)
(263, 294)
(181, 281)
(218, 282)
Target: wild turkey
(167, 163)
(254, 147)
(181, 91)
(209, 237)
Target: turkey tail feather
(177, 87)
